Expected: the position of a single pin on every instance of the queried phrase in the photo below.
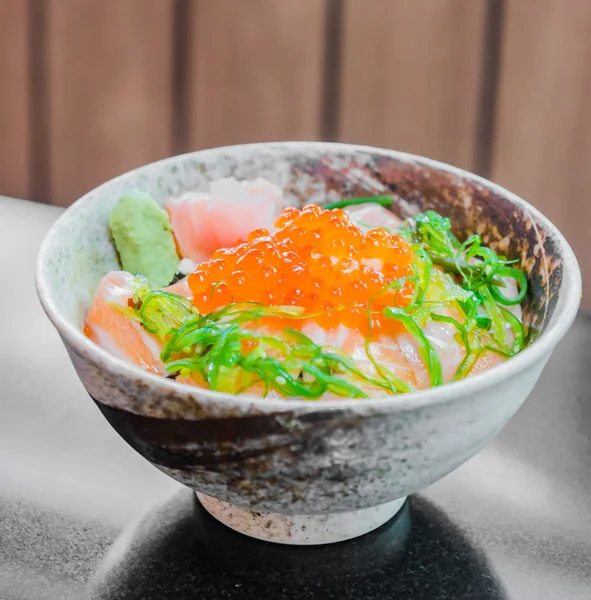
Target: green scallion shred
(426, 350)
(385, 200)
(518, 331)
(162, 312)
(521, 282)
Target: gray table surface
(70, 488)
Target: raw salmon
(116, 332)
(204, 222)
(367, 216)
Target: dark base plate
(179, 551)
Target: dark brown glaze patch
(213, 443)
(472, 208)
(268, 459)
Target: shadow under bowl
(296, 471)
(176, 550)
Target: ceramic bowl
(295, 471)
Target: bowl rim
(569, 297)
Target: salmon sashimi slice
(368, 216)
(205, 222)
(385, 351)
(181, 288)
(400, 355)
(116, 332)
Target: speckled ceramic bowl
(299, 471)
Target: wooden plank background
(91, 89)
(109, 90)
(411, 76)
(542, 142)
(255, 71)
(14, 99)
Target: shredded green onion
(521, 282)
(162, 312)
(481, 272)
(382, 200)
(426, 350)
(213, 348)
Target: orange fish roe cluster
(317, 259)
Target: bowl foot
(300, 530)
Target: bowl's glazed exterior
(300, 457)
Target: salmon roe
(317, 259)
